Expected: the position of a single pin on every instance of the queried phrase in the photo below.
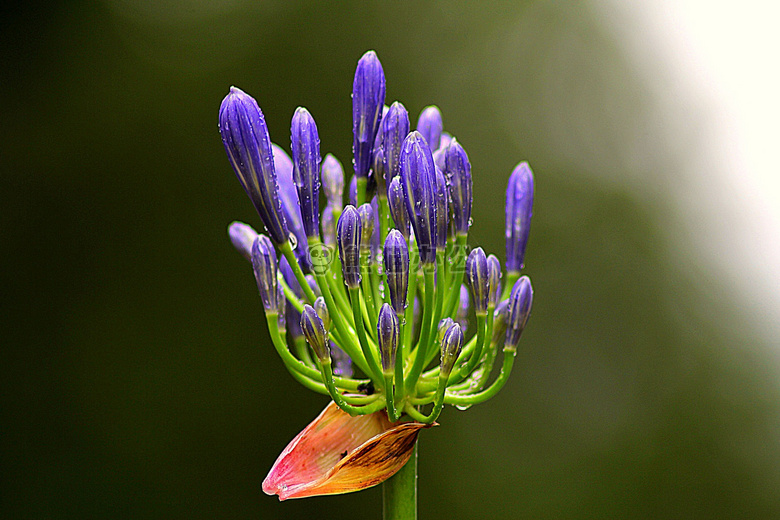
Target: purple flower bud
(342, 363)
(445, 142)
(396, 201)
(315, 333)
(395, 128)
(264, 266)
(494, 280)
(248, 147)
(378, 170)
(349, 235)
(367, 221)
(242, 236)
(430, 125)
(306, 168)
(444, 324)
(418, 179)
(477, 276)
(387, 337)
(451, 345)
(328, 224)
(442, 211)
(462, 312)
(459, 177)
(293, 319)
(281, 317)
(396, 260)
(500, 321)
(291, 208)
(519, 310)
(519, 205)
(353, 191)
(322, 311)
(368, 98)
(333, 181)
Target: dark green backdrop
(138, 380)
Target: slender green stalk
(422, 345)
(368, 352)
(511, 278)
(287, 251)
(399, 492)
(458, 269)
(498, 384)
(362, 184)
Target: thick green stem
(399, 492)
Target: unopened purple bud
(333, 181)
(460, 186)
(376, 240)
(378, 169)
(395, 199)
(430, 126)
(519, 206)
(395, 128)
(367, 220)
(322, 311)
(242, 236)
(368, 98)
(387, 337)
(462, 312)
(315, 332)
(445, 142)
(349, 236)
(281, 317)
(418, 179)
(264, 266)
(328, 223)
(500, 322)
(248, 147)
(306, 168)
(293, 319)
(353, 191)
(477, 276)
(396, 260)
(444, 324)
(519, 310)
(494, 280)
(451, 345)
(291, 208)
(442, 211)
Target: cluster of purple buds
(368, 302)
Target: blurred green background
(138, 379)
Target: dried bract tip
(248, 147)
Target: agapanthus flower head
(396, 260)
(519, 206)
(306, 168)
(349, 234)
(387, 337)
(397, 204)
(248, 146)
(418, 179)
(430, 126)
(333, 181)
(264, 266)
(458, 170)
(315, 332)
(368, 98)
(243, 237)
(395, 128)
(520, 303)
